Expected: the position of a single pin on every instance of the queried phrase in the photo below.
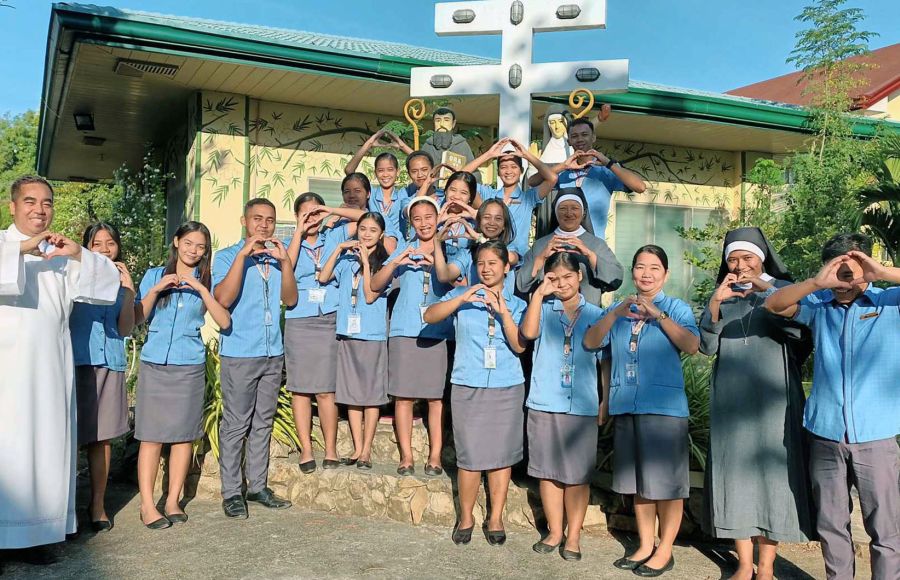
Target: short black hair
(840, 244)
(497, 246)
(581, 121)
(305, 197)
(567, 260)
(444, 111)
(418, 153)
(21, 182)
(654, 250)
(468, 179)
(93, 229)
(258, 201)
(390, 157)
(360, 177)
(510, 157)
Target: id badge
(631, 372)
(490, 357)
(567, 375)
(269, 318)
(317, 295)
(422, 309)
(354, 324)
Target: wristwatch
(612, 162)
(662, 315)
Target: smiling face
(492, 220)
(509, 170)
(444, 123)
(105, 245)
(355, 194)
(491, 267)
(849, 271)
(419, 168)
(386, 173)
(368, 232)
(581, 137)
(307, 207)
(569, 215)
(557, 125)
(423, 218)
(458, 191)
(648, 274)
(745, 264)
(32, 210)
(568, 282)
(191, 248)
(259, 219)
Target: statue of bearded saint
(445, 145)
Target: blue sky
(713, 45)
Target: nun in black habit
(757, 488)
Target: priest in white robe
(41, 275)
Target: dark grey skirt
(361, 373)
(562, 447)
(487, 426)
(651, 456)
(310, 354)
(102, 404)
(417, 367)
(169, 406)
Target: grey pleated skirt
(417, 367)
(487, 426)
(562, 447)
(361, 372)
(651, 456)
(102, 404)
(310, 354)
(169, 406)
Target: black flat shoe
(234, 507)
(541, 548)
(348, 461)
(330, 464)
(308, 466)
(645, 571)
(161, 524)
(267, 498)
(626, 564)
(177, 518)
(364, 465)
(406, 470)
(433, 470)
(495, 538)
(570, 555)
(462, 536)
(101, 526)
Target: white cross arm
(493, 16)
(546, 79)
(434, 81)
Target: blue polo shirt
(521, 210)
(472, 338)
(598, 185)
(95, 335)
(255, 322)
(406, 230)
(655, 385)
(856, 376)
(406, 319)
(548, 393)
(390, 214)
(305, 274)
(173, 337)
(373, 317)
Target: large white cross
(517, 79)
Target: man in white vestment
(41, 275)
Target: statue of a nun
(757, 488)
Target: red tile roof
(881, 81)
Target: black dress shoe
(267, 498)
(626, 564)
(433, 470)
(101, 526)
(161, 524)
(234, 507)
(541, 548)
(330, 464)
(308, 466)
(645, 571)
(348, 461)
(365, 465)
(406, 470)
(177, 518)
(570, 555)
(495, 538)
(461, 536)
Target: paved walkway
(305, 544)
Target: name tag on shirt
(354, 324)
(631, 373)
(422, 309)
(490, 357)
(268, 319)
(567, 376)
(317, 295)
